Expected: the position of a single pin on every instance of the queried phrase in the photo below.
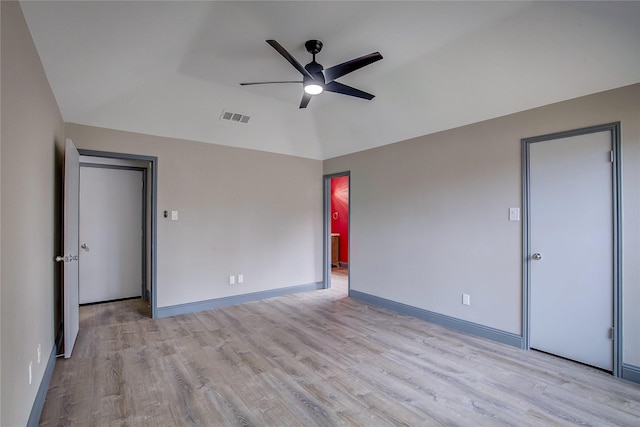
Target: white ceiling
(171, 68)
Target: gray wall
(240, 212)
(429, 216)
(32, 134)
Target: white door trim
(614, 129)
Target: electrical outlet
(240, 278)
(232, 280)
(466, 299)
(30, 375)
(39, 353)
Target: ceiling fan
(315, 79)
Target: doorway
(571, 245)
(337, 230)
(147, 166)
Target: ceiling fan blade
(268, 83)
(305, 100)
(340, 70)
(282, 51)
(347, 90)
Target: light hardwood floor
(316, 358)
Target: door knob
(84, 246)
(59, 258)
(536, 256)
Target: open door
(71, 315)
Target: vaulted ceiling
(172, 68)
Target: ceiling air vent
(234, 117)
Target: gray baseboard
(631, 373)
(193, 307)
(440, 319)
(38, 404)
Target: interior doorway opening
(337, 230)
(147, 166)
(66, 299)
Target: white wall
(429, 216)
(240, 212)
(32, 134)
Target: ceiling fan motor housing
(315, 70)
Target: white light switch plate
(514, 214)
(174, 215)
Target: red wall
(340, 209)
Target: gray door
(71, 315)
(571, 243)
(111, 235)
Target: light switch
(174, 215)
(514, 214)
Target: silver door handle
(84, 246)
(59, 258)
(536, 256)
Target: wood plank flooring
(315, 359)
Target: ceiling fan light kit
(315, 79)
(313, 88)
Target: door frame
(326, 230)
(145, 197)
(152, 185)
(614, 130)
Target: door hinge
(611, 156)
(612, 333)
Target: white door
(71, 315)
(111, 223)
(571, 241)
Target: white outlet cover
(232, 280)
(240, 278)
